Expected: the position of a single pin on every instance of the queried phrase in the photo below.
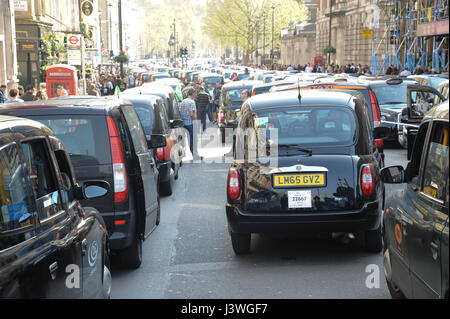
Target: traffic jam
(85, 179)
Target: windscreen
(391, 96)
(234, 95)
(146, 117)
(85, 137)
(310, 127)
(212, 80)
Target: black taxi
(415, 227)
(305, 163)
(50, 245)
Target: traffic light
(184, 53)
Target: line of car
(63, 156)
(308, 158)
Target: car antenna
(299, 92)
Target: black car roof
(312, 97)
(143, 99)
(241, 84)
(65, 106)
(13, 122)
(155, 89)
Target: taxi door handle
(434, 250)
(53, 268)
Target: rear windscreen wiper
(295, 147)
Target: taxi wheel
(222, 136)
(167, 188)
(241, 243)
(374, 240)
(158, 216)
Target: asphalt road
(190, 255)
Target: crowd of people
(30, 93)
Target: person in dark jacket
(29, 95)
(202, 102)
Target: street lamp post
(257, 38)
(120, 37)
(329, 35)
(273, 31)
(264, 39)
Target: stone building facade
(35, 18)
(349, 19)
(8, 59)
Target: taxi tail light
(222, 116)
(379, 143)
(375, 109)
(367, 180)
(234, 184)
(376, 116)
(163, 153)
(119, 165)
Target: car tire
(241, 243)
(131, 257)
(167, 188)
(374, 240)
(107, 279)
(158, 216)
(222, 136)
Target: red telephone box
(317, 60)
(61, 75)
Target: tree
(240, 22)
(157, 28)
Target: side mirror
(393, 175)
(157, 141)
(95, 189)
(381, 132)
(176, 123)
(91, 190)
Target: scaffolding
(404, 42)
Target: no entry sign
(74, 41)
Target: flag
(179, 92)
(117, 90)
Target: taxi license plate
(299, 180)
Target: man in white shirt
(308, 69)
(13, 93)
(405, 72)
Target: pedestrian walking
(202, 102)
(405, 72)
(217, 95)
(2, 94)
(40, 96)
(21, 91)
(189, 115)
(210, 91)
(29, 95)
(14, 97)
(245, 95)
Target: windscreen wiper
(295, 147)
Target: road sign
(74, 57)
(367, 33)
(74, 41)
